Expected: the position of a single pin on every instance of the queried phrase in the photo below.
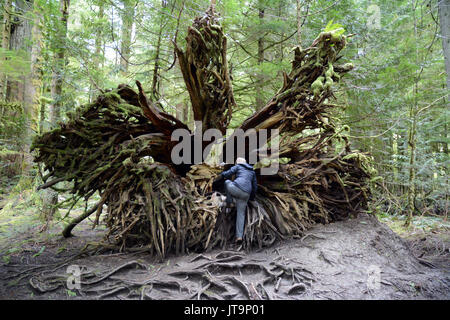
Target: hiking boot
(238, 244)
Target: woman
(242, 189)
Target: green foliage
(335, 28)
(389, 63)
(14, 64)
(12, 124)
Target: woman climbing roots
(242, 189)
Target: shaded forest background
(57, 55)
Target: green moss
(328, 83)
(12, 106)
(348, 66)
(336, 35)
(365, 161)
(113, 95)
(44, 99)
(330, 70)
(128, 109)
(317, 86)
(127, 162)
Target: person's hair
(240, 160)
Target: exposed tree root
(120, 146)
(222, 277)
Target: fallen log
(120, 146)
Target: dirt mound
(359, 258)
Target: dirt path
(356, 259)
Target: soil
(360, 258)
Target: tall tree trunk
(182, 112)
(260, 79)
(50, 198)
(411, 196)
(444, 17)
(155, 79)
(6, 34)
(280, 14)
(98, 51)
(179, 112)
(33, 107)
(42, 125)
(98, 36)
(58, 68)
(412, 161)
(299, 22)
(33, 87)
(394, 155)
(19, 41)
(127, 26)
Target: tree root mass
(120, 146)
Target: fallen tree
(120, 146)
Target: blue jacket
(245, 178)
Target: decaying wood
(120, 146)
(205, 71)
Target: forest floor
(360, 258)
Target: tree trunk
(411, 196)
(98, 51)
(299, 22)
(179, 112)
(155, 78)
(42, 107)
(6, 34)
(260, 78)
(127, 27)
(444, 16)
(281, 12)
(394, 146)
(50, 197)
(19, 41)
(99, 36)
(59, 65)
(412, 161)
(33, 87)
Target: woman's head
(240, 161)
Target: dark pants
(241, 197)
